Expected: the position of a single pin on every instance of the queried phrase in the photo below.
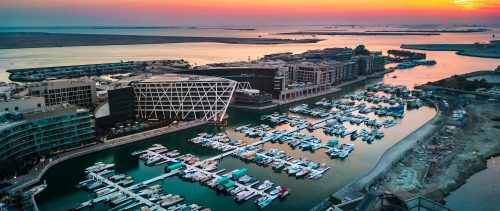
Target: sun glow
(476, 4)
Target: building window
(16, 108)
(6, 109)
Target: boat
(316, 176)
(283, 192)
(302, 172)
(265, 203)
(134, 153)
(177, 207)
(169, 201)
(152, 160)
(237, 190)
(293, 170)
(277, 165)
(343, 154)
(265, 185)
(261, 199)
(173, 153)
(243, 195)
(117, 177)
(276, 190)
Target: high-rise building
(78, 92)
(181, 96)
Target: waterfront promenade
(336, 88)
(38, 170)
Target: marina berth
(359, 117)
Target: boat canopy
(239, 173)
(229, 184)
(333, 142)
(175, 166)
(222, 180)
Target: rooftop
(180, 77)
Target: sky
(244, 12)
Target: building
(312, 73)
(184, 97)
(21, 104)
(44, 73)
(252, 97)
(324, 73)
(367, 64)
(78, 92)
(29, 133)
(120, 107)
(266, 78)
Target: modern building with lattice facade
(183, 97)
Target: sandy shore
(15, 40)
(435, 173)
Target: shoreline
(390, 155)
(468, 156)
(35, 175)
(21, 40)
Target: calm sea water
(202, 53)
(61, 193)
(481, 191)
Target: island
(15, 40)
(436, 31)
(366, 33)
(487, 50)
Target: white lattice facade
(183, 97)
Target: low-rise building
(21, 104)
(252, 97)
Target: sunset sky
(244, 12)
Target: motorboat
(276, 190)
(302, 172)
(277, 165)
(293, 170)
(265, 185)
(243, 195)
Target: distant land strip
(333, 33)
(15, 40)
(435, 31)
(224, 28)
(484, 50)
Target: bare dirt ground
(442, 164)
